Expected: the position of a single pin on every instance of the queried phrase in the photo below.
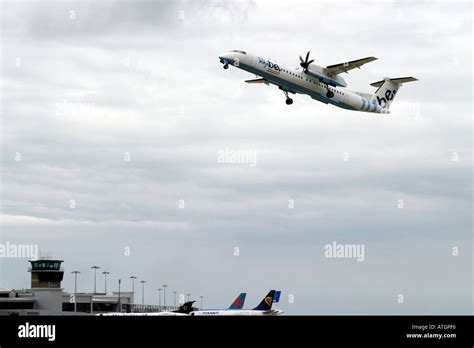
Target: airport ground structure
(46, 297)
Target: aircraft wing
(257, 81)
(345, 67)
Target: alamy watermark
(335, 250)
(37, 331)
(234, 156)
(70, 108)
(12, 250)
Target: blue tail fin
(267, 302)
(276, 298)
(238, 302)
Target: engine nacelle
(320, 73)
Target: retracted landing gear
(288, 101)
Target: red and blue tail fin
(267, 302)
(239, 301)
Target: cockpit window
(243, 52)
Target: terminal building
(46, 297)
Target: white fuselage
(296, 81)
(235, 312)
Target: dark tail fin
(239, 302)
(186, 308)
(267, 302)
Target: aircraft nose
(225, 56)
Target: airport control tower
(46, 273)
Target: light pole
(201, 297)
(164, 294)
(105, 279)
(75, 289)
(187, 297)
(143, 291)
(119, 304)
(159, 296)
(133, 287)
(175, 292)
(95, 276)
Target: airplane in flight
(264, 308)
(321, 83)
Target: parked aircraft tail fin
(267, 302)
(238, 302)
(186, 308)
(276, 298)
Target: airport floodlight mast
(75, 289)
(159, 296)
(95, 268)
(119, 303)
(187, 297)
(143, 291)
(164, 294)
(175, 293)
(133, 287)
(105, 273)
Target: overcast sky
(86, 85)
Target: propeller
(305, 63)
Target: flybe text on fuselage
(268, 64)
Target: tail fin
(267, 302)
(186, 308)
(238, 302)
(276, 298)
(387, 89)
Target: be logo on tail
(389, 95)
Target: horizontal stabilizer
(257, 81)
(387, 90)
(398, 80)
